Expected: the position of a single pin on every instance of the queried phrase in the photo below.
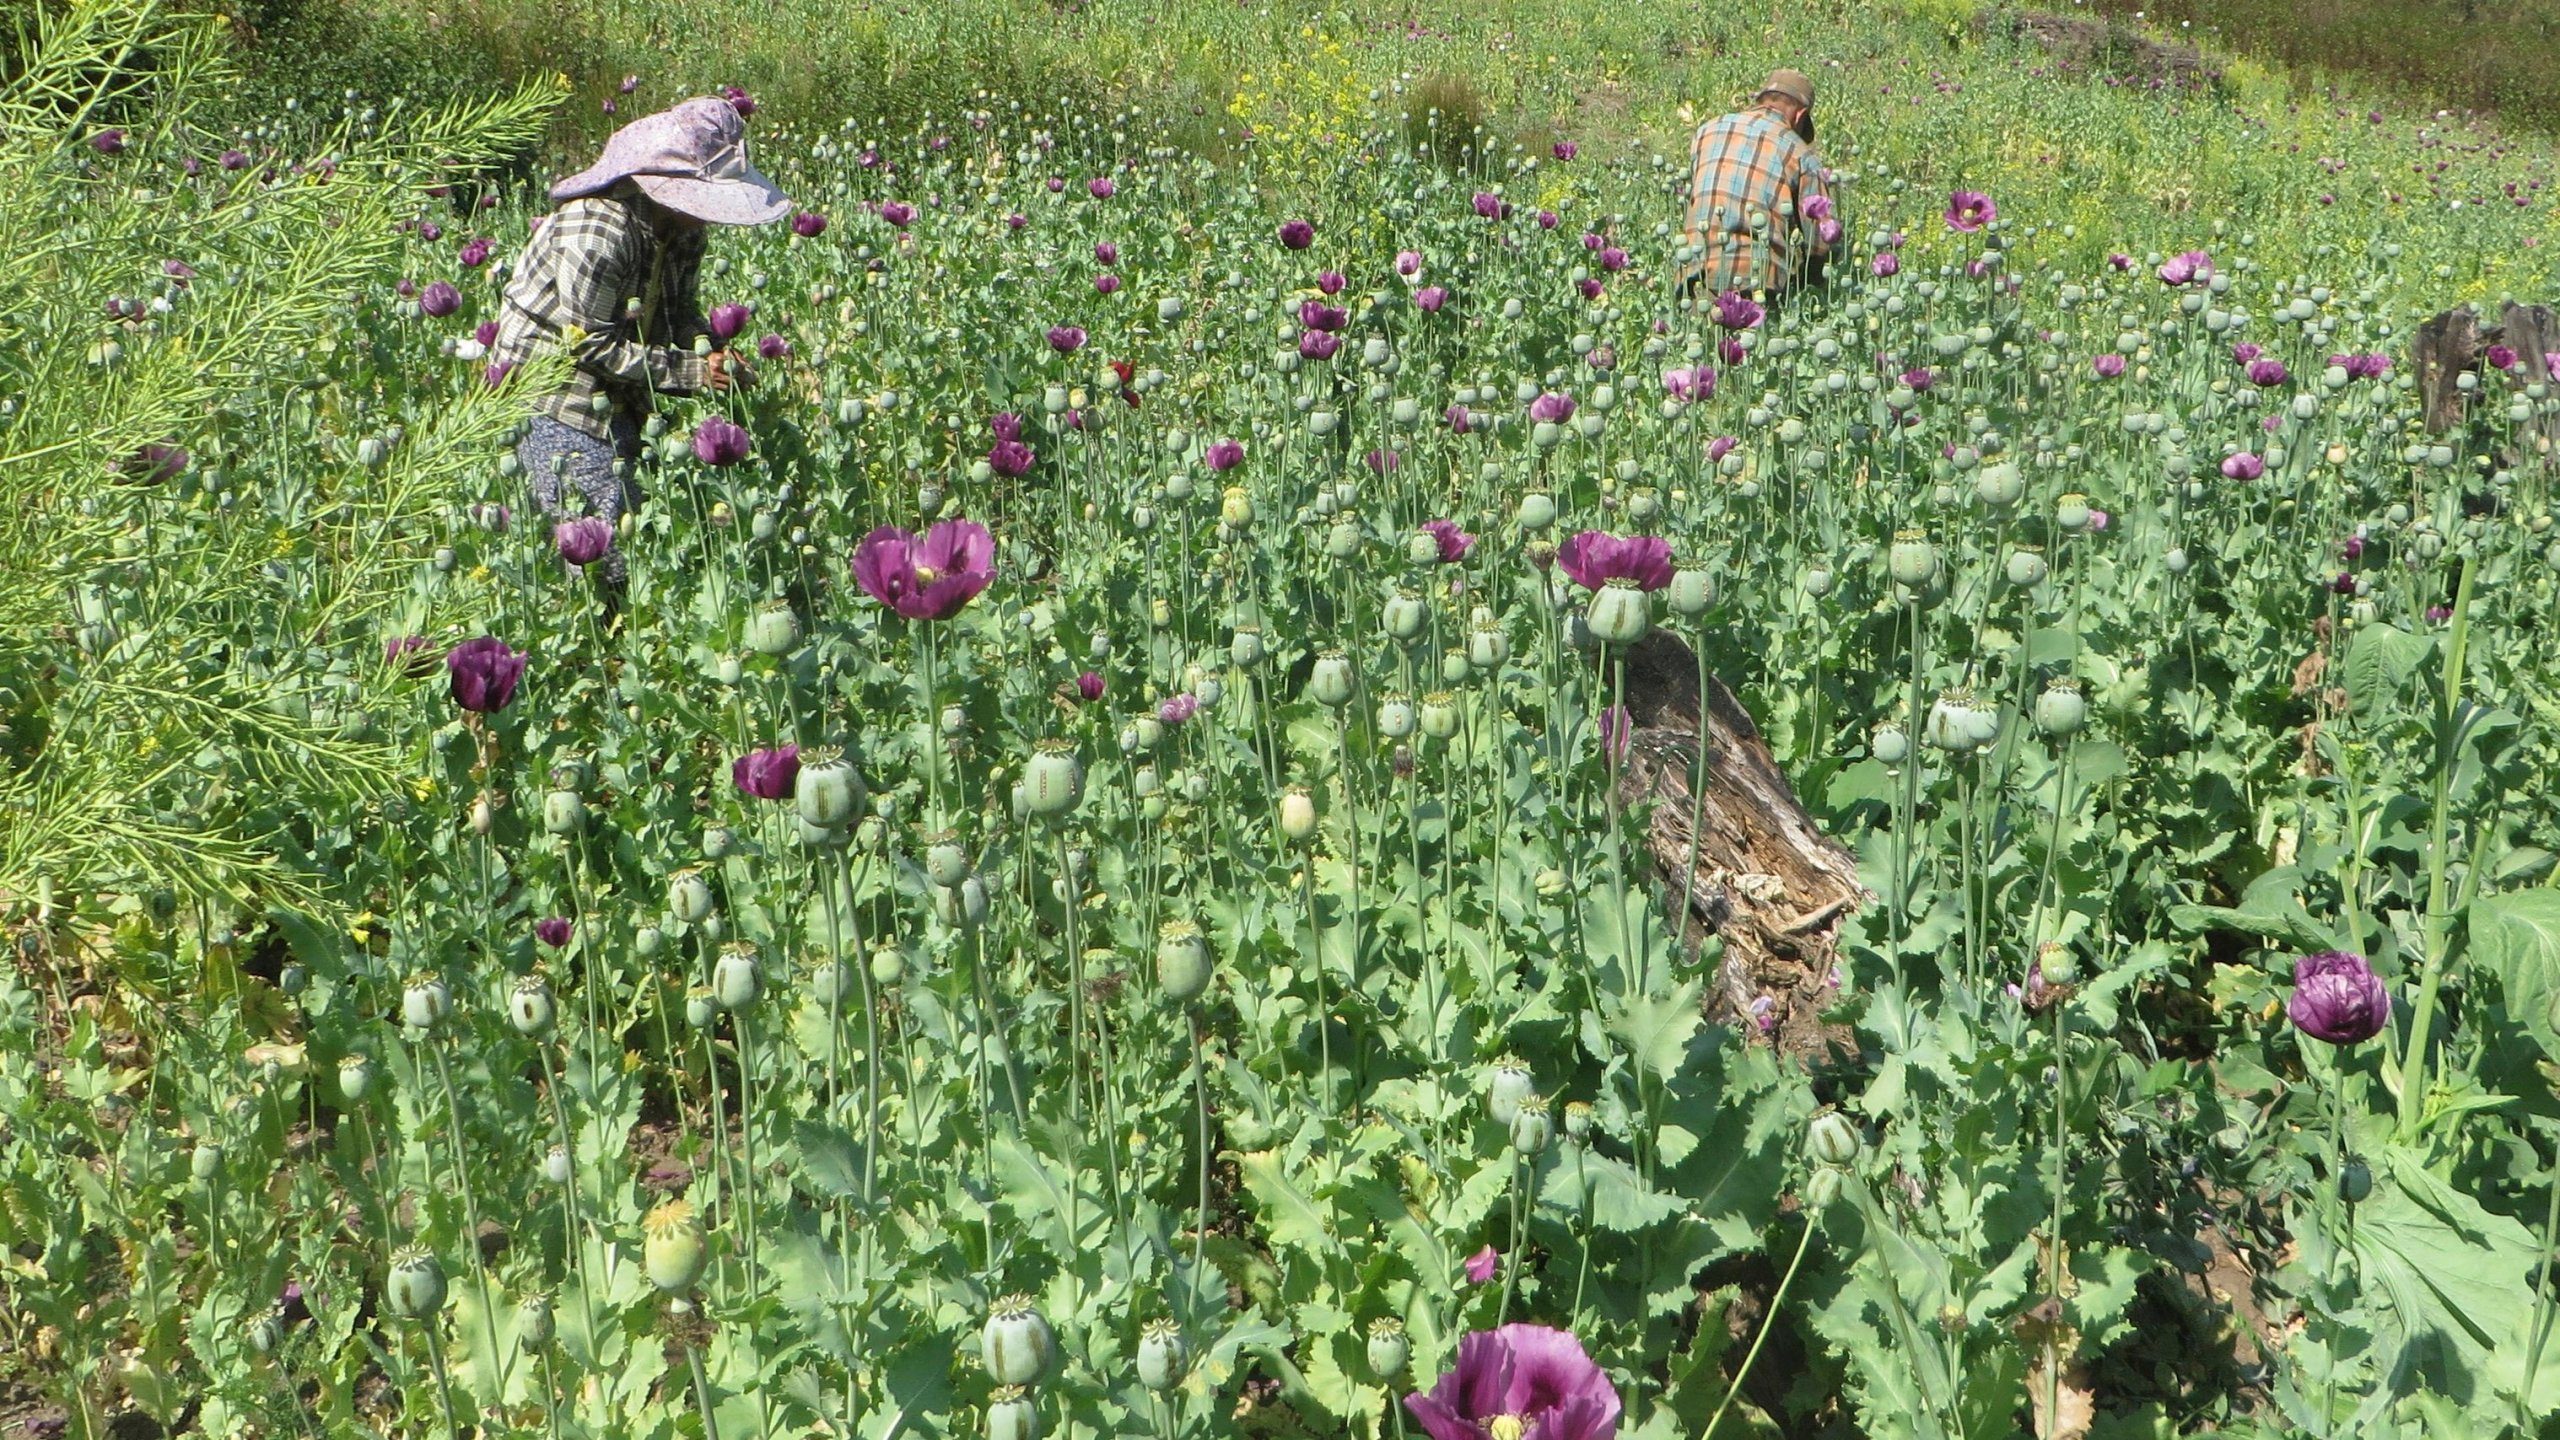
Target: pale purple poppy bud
(808, 224)
(1565, 150)
(1297, 234)
(1408, 263)
(1106, 282)
(1224, 455)
(497, 372)
(2120, 261)
(1458, 418)
(1590, 288)
(405, 288)
(475, 254)
(1919, 379)
(1318, 344)
(583, 541)
(630, 83)
(1016, 220)
(430, 231)
(108, 142)
(1066, 339)
(727, 320)
(1330, 282)
(178, 271)
(773, 347)
(1005, 425)
(2338, 998)
(1010, 458)
(2268, 372)
(1100, 187)
(1430, 298)
(898, 213)
(1886, 265)
(739, 100)
(2109, 365)
(234, 160)
(2501, 357)
(2352, 549)
(1178, 708)
(1089, 685)
(2243, 466)
(1551, 408)
(439, 300)
(1057, 183)
(1612, 259)
(553, 930)
(2097, 519)
(486, 333)
(1384, 462)
(1106, 253)
(1490, 206)
(2244, 352)
(1720, 447)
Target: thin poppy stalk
(1768, 1322)
(575, 1235)
(2438, 927)
(470, 1213)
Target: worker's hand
(724, 371)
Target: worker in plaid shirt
(1759, 216)
(610, 279)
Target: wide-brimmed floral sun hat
(691, 159)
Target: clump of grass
(1448, 118)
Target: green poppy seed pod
(713, 927)
(1246, 647)
(1440, 713)
(1546, 435)
(1011, 1415)
(1890, 743)
(563, 813)
(556, 1165)
(1331, 681)
(1531, 1126)
(1321, 423)
(1509, 1084)
(1236, 509)
(2061, 710)
(728, 670)
(1948, 726)
(718, 841)
(1160, 612)
(1818, 582)
(414, 1289)
(2429, 544)
(1297, 815)
(2175, 559)
(888, 966)
(962, 906)
(484, 815)
(534, 1325)
(1999, 486)
(701, 1009)
(1161, 1354)
(264, 1332)
(1455, 668)
(1488, 648)
(1373, 351)
(1644, 503)
(1016, 1343)
(829, 788)
(737, 978)
(1577, 1121)
(673, 1248)
(1396, 717)
(1388, 1349)
(1422, 548)
(206, 1163)
(426, 1002)
(1342, 539)
(355, 1076)
(1144, 733)
(2057, 964)
(2071, 512)
(1833, 1139)
(445, 560)
(2027, 566)
(1053, 780)
(955, 722)
(529, 1006)
(1406, 412)
(946, 860)
(1055, 400)
(689, 896)
(1145, 782)
(1692, 591)
(1912, 559)
(1182, 961)
(1821, 1188)
(648, 942)
(1537, 511)
(2355, 1182)
(1620, 614)
(773, 628)
(1405, 615)
(830, 980)
(372, 451)
(1981, 722)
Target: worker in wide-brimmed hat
(1759, 217)
(610, 278)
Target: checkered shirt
(1749, 177)
(595, 267)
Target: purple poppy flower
(1318, 345)
(486, 333)
(2187, 267)
(2438, 614)
(766, 774)
(808, 224)
(630, 83)
(2244, 352)
(1430, 298)
(497, 372)
(1970, 210)
(1591, 240)
(719, 441)
(1454, 542)
(553, 930)
(1106, 283)
(1919, 378)
(1297, 234)
(1177, 709)
(2268, 372)
(1490, 205)
(1066, 339)
(1730, 350)
(1975, 269)
(1565, 150)
(1551, 408)
(234, 160)
(1106, 253)
(1720, 447)
(609, 107)
(1057, 183)
(1458, 418)
(739, 100)
(1317, 315)
(1546, 219)
(1689, 383)
(927, 577)
(2097, 519)
(156, 464)
(1223, 455)
(727, 320)
(2338, 998)
(405, 288)
(1520, 1380)
(178, 271)
(898, 213)
(2352, 548)
(1408, 263)
(1886, 265)
(1089, 685)
(1100, 187)
(1612, 259)
(2501, 357)
(2345, 584)
(1016, 220)
(1010, 458)
(2119, 262)
(1483, 1265)
(2109, 365)
(108, 142)
(2243, 466)
(773, 347)
(492, 516)
(411, 655)
(1817, 207)
(1005, 425)
(439, 300)
(584, 540)
(1330, 282)
(1384, 462)
(475, 253)
(1737, 311)
(1594, 558)
(483, 674)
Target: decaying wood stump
(1768, 881)
(2446, 346)
(2533, 332)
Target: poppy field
(1069, 870)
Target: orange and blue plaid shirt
(1749, 178)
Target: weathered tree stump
(2446, 346)
(1768, 882)
(2533, 332)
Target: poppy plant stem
(1768, 1323)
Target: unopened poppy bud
(718, 841)
(1509, 1084)
(533, 1321)
(264, 1332)
(414, 1289)
(737, 979)
(426, 1002)
(1297, 815)
(1832, 1139)
(2355, 1181)
(1821, 1188)
(484, 815)
(1388, 1348)
(1182, 961)
(1016, 1343)
(962, 906)
(529, 1006)
(673, 1248)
